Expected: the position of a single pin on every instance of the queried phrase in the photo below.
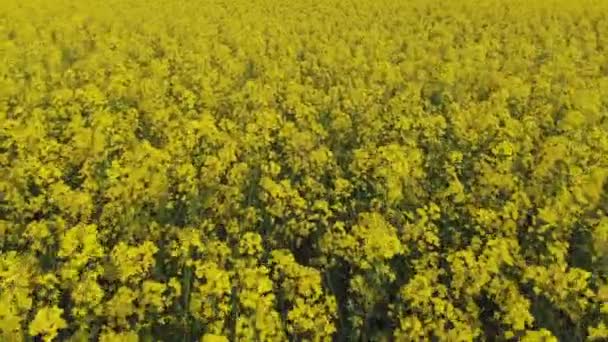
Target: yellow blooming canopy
(304, 170)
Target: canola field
(304, 170)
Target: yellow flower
(214, 338)
(47, 322)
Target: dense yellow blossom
(47, 323)
(304, 170)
